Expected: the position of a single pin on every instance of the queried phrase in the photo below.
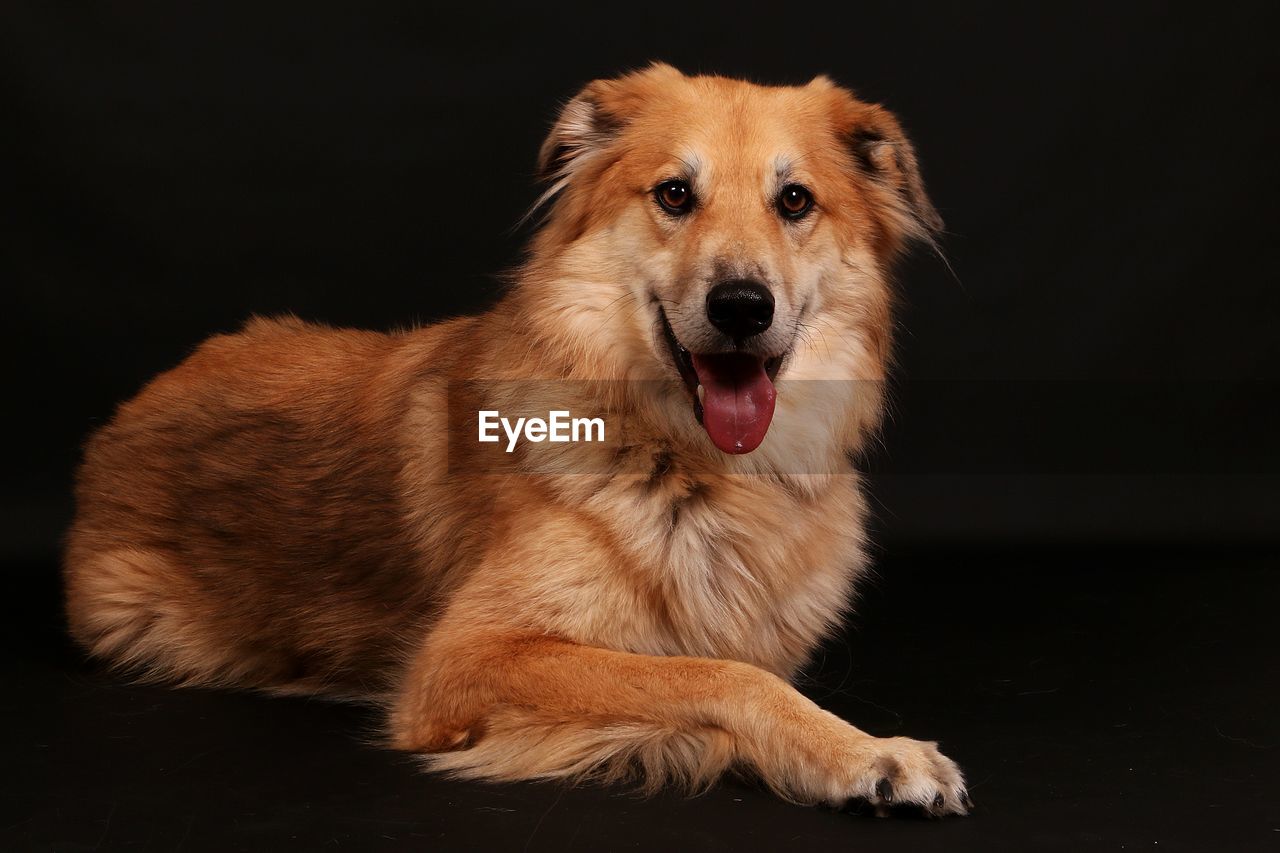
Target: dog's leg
(513, 706)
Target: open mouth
(733, 393)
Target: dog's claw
(901, 775)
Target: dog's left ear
(883, 153)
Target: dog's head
(723, 232)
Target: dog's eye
(794, 201)
(675, 197)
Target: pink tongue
(737, 405)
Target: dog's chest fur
(749, 567)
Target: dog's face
(748, 227)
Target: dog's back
(240, 520)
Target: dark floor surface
(1111, 699)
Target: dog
(305, 510)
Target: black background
(1090, 400)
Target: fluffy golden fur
(283, 510)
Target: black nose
(740, 307)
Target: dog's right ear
(590, 122)
(582, 129)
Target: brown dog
(308, 510)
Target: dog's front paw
(900, 771)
